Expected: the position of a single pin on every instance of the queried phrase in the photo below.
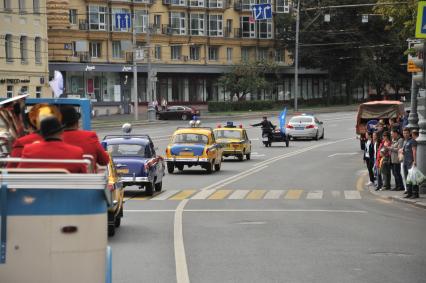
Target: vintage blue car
(136, 160)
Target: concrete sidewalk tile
(399, 197)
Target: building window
(229, 55)
(176, 52)
(8, 46)
(115, 24)
(262, 54)
(24, 89)
(196, 3)
(97, 17)
(245, 53)
(216, 4)
(141, 20)
(282, 6)
(7, 5)
(9, 91)
(38, 91)
(177, 23)
(215, 25)
(279, 56)
(36, 6)
(73, 16)
(265, 29)
(179, 2)
(95, 49)
(117, 53)
(197, 24)
(157, 52)
(37, 50)
(157, 21)
(247, 4)
(213, 53)
(21, 6)
(248, 28)
(194, 52)
(23, 45)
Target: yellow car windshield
(190, 138)
(228, 134)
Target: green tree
(246, 78)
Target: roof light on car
(219, 126)
(241, 126)
(127, 128)
(194, 123)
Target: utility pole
(149, 96)
(296, 58)
(135, 71)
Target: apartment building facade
(23, 48)
(191, 44)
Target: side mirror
(104, 145)
(321, 122)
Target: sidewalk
(399, 196)
(118, 120)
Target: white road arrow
(343, 153)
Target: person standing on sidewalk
(376, 143)
(409, 150)
(385, 160)
(397, 143)
(369, 157)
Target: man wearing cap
(86, 140)
(53, 147)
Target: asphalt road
(297, 214)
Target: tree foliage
(351, 51)
(246, 78)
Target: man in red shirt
(86, 140)
(52, 147)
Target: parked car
(305, 126)
(376, 110)
(234, 140)
(136, 160)
(193, 146)
(178, 112)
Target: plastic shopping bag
(415, 176)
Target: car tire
(322, 136)
(117, 221)
(170, 168)
(111, 230)
(209, 168)
(316, 136)
(159, 187)
(248, 156)
(149, 188)
(184, 117)
(217, 167)
(240, 157)
(179, 167)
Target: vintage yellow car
(193, 146)
(234, 141)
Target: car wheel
(184, 117)
(179, 167)
(217, 166)
(322, 137)
(159, 187)
(316, 136)
(111, 230)
(149, 188)
(209, 168)
(170, 168)
(248, 156)
(240, 157)
(117, 221)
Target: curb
(420, 204)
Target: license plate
(300, 128)
(186, 153)
(265, 139)
(123, 171)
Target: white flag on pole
(57, 84)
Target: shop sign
(90, 68)
(14, 81)
(126, 69)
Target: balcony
(84, 57)
(83, 25)
(170, 30)
(238, 6)
(238, 33)
(149, 2)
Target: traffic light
(418, 64)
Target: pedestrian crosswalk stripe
(165, 195)
(203, 194)
(314, 195)
(293, 194)
(274, 194)
(220, 194)
(352, 195)
(256, 194)
(239, 194)
(183, 195)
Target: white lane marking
(180, 257)
(257, 169)
(314, 195)
(352, 194)
(255, 139)
(251, 223)
(239, 194)
(274, 194)
(165, 195)
(248, 210)
(335, 194)
(203, 194)
(343, 154)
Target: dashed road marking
(239, 194)
(183, 195)
(293, 194)
(274, 194)
(314, 195)
(256, 194)
(203, 194)
(352, 195)
(220, 194)
(165, 195)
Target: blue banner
(282, 117)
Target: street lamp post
(135, 71)
(296, 58)
(413, 118)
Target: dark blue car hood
(134, 164)
(197, 148)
